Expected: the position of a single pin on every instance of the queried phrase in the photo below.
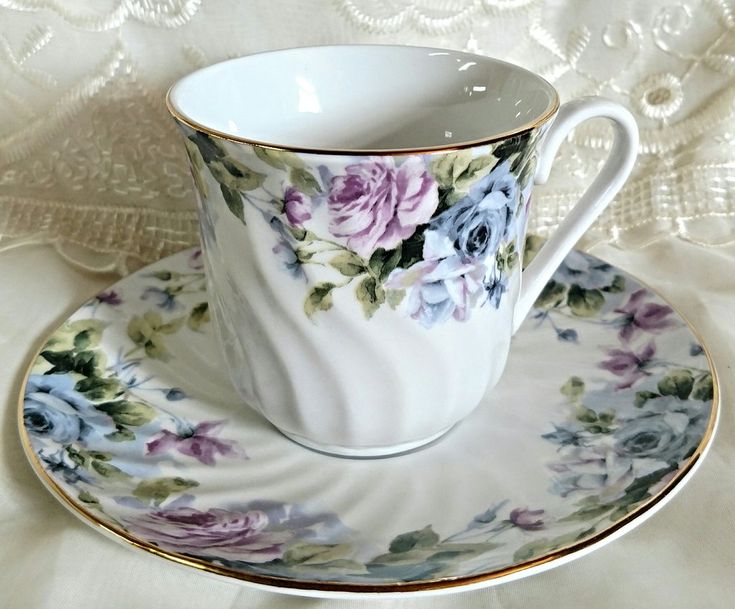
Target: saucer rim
(334, 589)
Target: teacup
(363, 215)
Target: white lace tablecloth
(683, 557)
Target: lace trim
(132, 236)
(161, 13)
(424, 18)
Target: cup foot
(364, 452)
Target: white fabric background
(681, 558)
(90, 162)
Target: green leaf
(88, 498)
(198, 316)
(703, 389)
(161, 275)
(412, 249)
(545, 545)
(638, 490)
(510, 146)
(172, 325)
(233, 200)
(301, 234)
(382, 263)
(533, 245)
(425, 538)
(85, 363)
(315, 554)
(477, 168)
(573, 388)
(123, 434)
(196, 165)
(195, 157)
(349, 264)
(124, 412)
(395, 298)
(78, 335)
(446, 168)
(157, 490)
(109, 471)
(371, 296)
(210, 148)
(319, 298)
(458, 170)
(236, 175)
(96, 388)
(678, 383)
(527, 172)
(586, 415)
(304, 181)
(584, 303)
(551, 296)
(280, 159)
(641, 397)
(617, 285)
(82, 340)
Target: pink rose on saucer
(377, 204)
(216, 533)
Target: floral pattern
(428, 234)
(119, 421)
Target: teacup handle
(606, 185)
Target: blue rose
(585, 271)
(45, 420)
(669, 437)
(475, 226)
(52, 408)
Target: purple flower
(642, 316)
(439, 289)
(376, 204)
(628, 365)
(225, 534)
(109, 297)
(297, 206)
(195, 260)
(198, 442)
(528, 520)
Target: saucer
(608, 404)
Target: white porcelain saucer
(608, 404)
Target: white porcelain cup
(363, 215)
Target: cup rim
(550, 111)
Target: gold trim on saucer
(281, 583)
(522, 129)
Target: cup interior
(363, 98)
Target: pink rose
(216, 533)
(377, 204)
(297, 206)
(439, 289)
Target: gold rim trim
(521, 130)
(277, 583)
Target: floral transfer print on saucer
(128, 418)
